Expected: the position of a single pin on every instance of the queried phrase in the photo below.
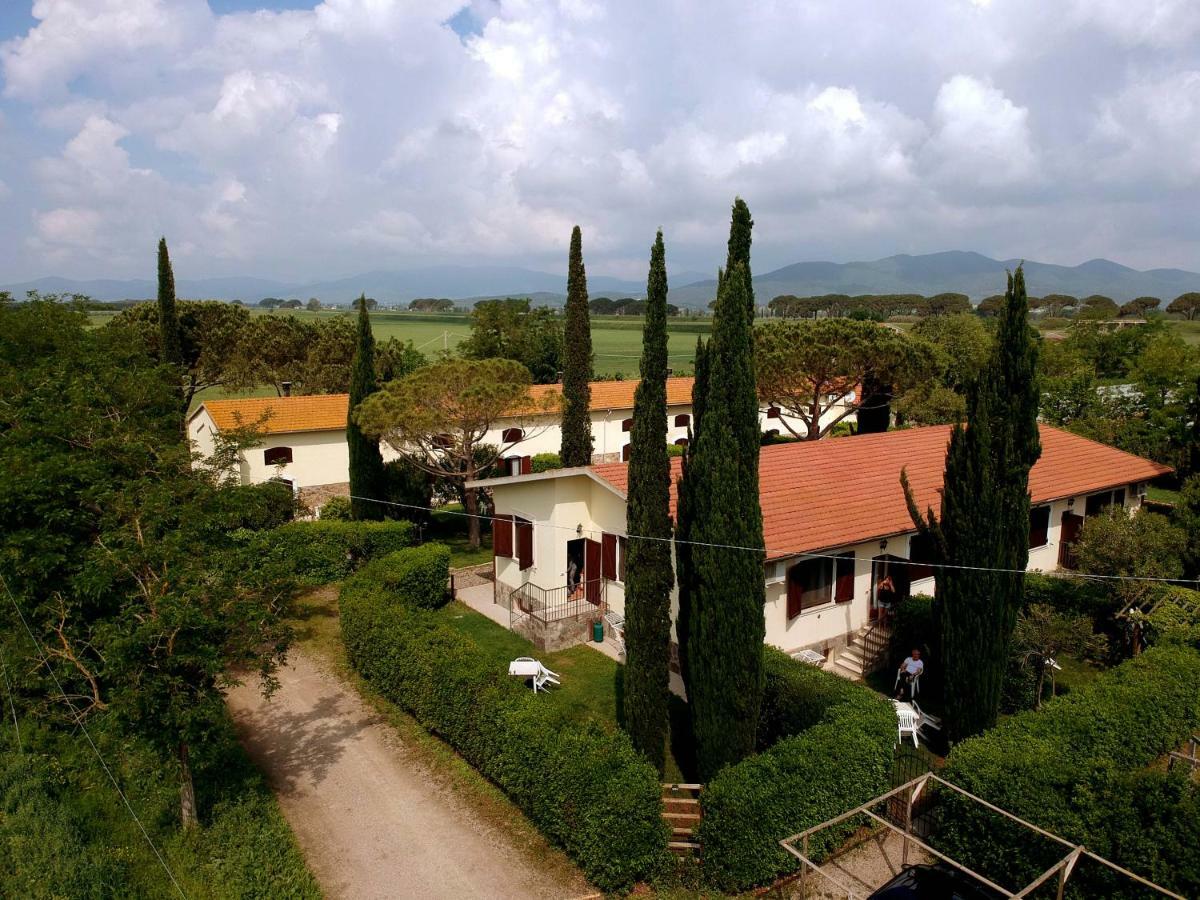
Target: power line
(82, 727)
(784, 552)
(11, 703)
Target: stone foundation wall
(315, 495)
(553, 636)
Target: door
(1067, 538)
(591, 570)
(890, 580)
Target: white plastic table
(812, 657)
(525, 668)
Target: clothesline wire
(782, 553)
(82, 727)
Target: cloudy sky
(303, 140)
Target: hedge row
(834, 751)
(323, 551)
(1076, 768)
(583, 786)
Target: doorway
(1072, 525)
(890, 583)
(583, 570)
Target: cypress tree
(577, 363)
(683, 510)
(367, 477)
(170, 342)
(725, 628)
(649, 578)
(982, 532)
(875, 411)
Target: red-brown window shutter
(608, 556)
(502, 536)
(526, 465)
(795, 590)
(843, 590)
(524, 529)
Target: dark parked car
(936, 882)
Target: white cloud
(366, 133)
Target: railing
(555, 604)
(875, 644)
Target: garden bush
(834, 752)
(582, 785)
(415, 577)
(320, 552)
(1075, 767)
(545, 462)
(336, 509)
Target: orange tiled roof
(817, 495)
(311, 412)
(327, 412)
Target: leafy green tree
(949, 304)
(1138, 306)
(511, 329)
(963, 343)
(1055, 305)
(1097, 306)
(982, 532)
(577, 366)
(1042, 634)
(210, 332)
(1164, 366)
(367, 481)
(169, 341)
(368, 302)
(649, 577)
(437, 418)
(1142, 545)
(1186, 305)
(313, 304)
(815, 369)
(990, 306)
(99, 538)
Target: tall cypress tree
(649, 578)
(367, 477)
(982, 532)
(725, 628)
(170, 342)
(683, 510)
(577, 363)
(737, 354)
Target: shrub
(545, 462)
(336, 509)
(415, 577)
(320, 552)
(1172, 609)
(583, 786)
(838, 755)
(1070, 768)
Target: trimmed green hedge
(323, 551)
(834, 752)
(1076, 767)
(416, 577)
(583, 786)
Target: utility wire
(783, 552)
(11, 703)
(82, 727)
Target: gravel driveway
(371, 818)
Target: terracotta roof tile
(817, 495)
(327, 412)
(312, 412)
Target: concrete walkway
(371, 819)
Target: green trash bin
(598, 631)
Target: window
(518, 465)
(1039, 526)
(627, 425)
(772, 412)
(625, 453)
(681, 442)
(512, 435)
(921, 554)
(815, 582)
(683, 420)
(523, 535)
(277, 456)
(1098, 503)
(502, 536)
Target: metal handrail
(555, 604)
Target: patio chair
(916, 684)
(906, 721)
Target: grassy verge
(449, 527)
(319, 635)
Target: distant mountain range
(972, 274)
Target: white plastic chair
(916, 683)
(906, 719)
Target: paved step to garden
(681, 810)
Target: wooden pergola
(908, 793)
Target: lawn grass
(1162, 495)
(448, 526)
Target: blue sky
(301, 140)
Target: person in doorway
(908, 673)
(573, 579)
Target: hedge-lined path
(371, 819)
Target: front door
(591, 571)
(1067, 538)
(890, 582)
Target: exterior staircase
(866, 651)
(681, 809)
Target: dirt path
(371, 819)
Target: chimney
(286, 388)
